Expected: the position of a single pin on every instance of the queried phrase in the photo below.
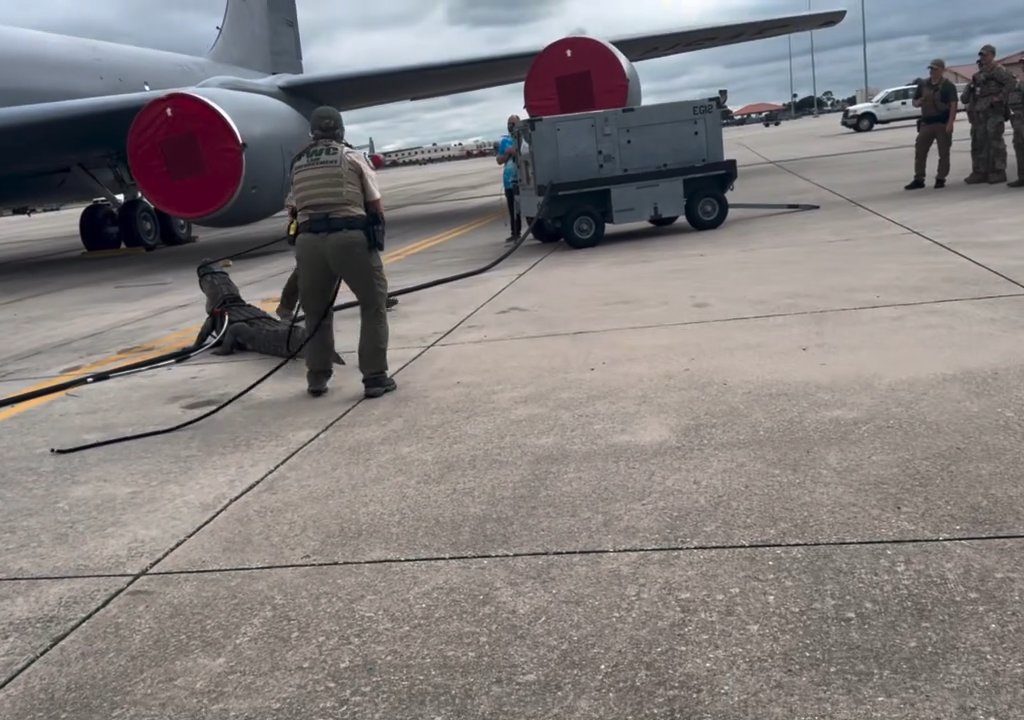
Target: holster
(328, 224)
(375, 231)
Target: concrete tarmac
(771, 470)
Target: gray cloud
(903, 36)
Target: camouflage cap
(326, 122)
(937, 64)
(987, 49)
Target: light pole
(814, 75)
(792, 102)
(864, 32)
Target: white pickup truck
(891, 105)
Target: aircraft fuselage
(38, 67)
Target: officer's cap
(987, 49)
(326, 122)
(937, 64)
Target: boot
(378, 385)
(1019, 182)
(915, 184)
(940, 183)
(975, 178)
(997, 177)
(317, 382)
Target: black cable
(214, 411)
(177, 356)
(190, 352)
(415, 288)
(247, 251)
(181, 355)
(460, 276)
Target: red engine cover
(186, 155)
(580, 74)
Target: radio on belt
(606, 159)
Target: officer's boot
(317, 382)
(1019, 182)
(998, 176)
(377, 385)
(915, 184)
(975, 178)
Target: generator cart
(649, 163)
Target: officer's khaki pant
(290, 292)
(929, 133)
(322, 259)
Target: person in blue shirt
(506, 156)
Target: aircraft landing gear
(136, 224)
(98, 228)
(139, 225)
(110, 222)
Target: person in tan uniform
(936, 97)
(337, 203)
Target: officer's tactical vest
(326, 180)
(932, 105)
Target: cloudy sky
(903, 35)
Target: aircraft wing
(348, 91)
(53, 134)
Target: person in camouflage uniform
(249, 328)
(1016, 105)
(986, 100)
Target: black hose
(214, 411)
(343, 306)
(177, 356)
(188, 353)
(181, 355)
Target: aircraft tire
(139, 225)
(98, 228)
(173, 231)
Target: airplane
(160, 140)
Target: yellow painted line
(177, 339)
(445, 237)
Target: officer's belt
(327, 224)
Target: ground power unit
(645, 163)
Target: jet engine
(215, 156)
(580, 74)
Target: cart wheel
(546, 231)
(583, 228)
(663, 221)
(706, 209)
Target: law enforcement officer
(290, 292)
(986, 98)
(936, 97)
(338, 207)
(1016, 106)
